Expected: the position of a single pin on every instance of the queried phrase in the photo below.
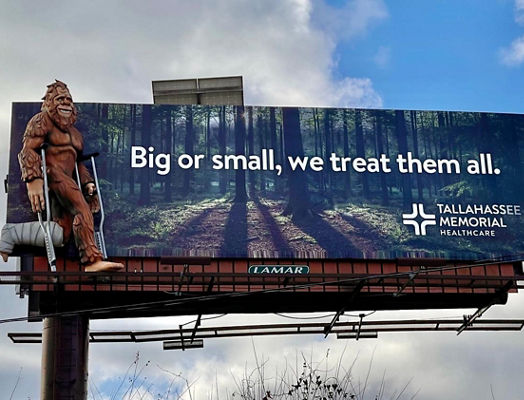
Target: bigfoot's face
(63, 103)
(60, 107)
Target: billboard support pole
(65, 345)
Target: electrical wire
(324, 316)
(167, 303)
(315, 317)
(203, 319)
(359, 315)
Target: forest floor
(258, 228)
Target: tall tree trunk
(427, 150)
(316, 133)
(208, 132)
(400, 127)
(103, 126)
(435, 155)
(240, 149)
(451, 137)
(168, 193)
(280, 185)
(111, 154)
(262, 144)
(345, 139)
(118, 169)
(189, 144)
(222, 183)
(207, 145)
(388, 153)
(273, 132)
(441, 131)
(318, 148)
(274, 143)
(133, 143)
(361, 151)
(298, 205)
(443, 142)
(251, 147)
(420, 189)
(329, 147)
(380, 150)
(145, 173)
(485, 145)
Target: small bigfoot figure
(72, 206)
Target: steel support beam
(65, 345)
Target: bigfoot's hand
(35, 192)
(92, 197)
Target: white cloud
(283, 51)
(357, 92)
(519, 11)
(514, 54)
(352, 19)
(382, 56)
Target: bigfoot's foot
(4, 255)
(104, 266)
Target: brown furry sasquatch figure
(72, 208)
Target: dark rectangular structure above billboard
(298, 183)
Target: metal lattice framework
(173, 286)
(355, 329)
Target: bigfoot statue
(72, 209)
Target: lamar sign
(278, 269)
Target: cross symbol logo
(417, 214)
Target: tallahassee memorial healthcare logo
(462, 220)
(419, 219)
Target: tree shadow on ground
(193, 227)
(235, 232)
(280, 242)
(364, 230)
(331, 240)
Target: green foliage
(383, 221)
(154, 225)
(457, 191)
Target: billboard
(298, 183)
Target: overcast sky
(465, 55)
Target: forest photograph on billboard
(272, 182)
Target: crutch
(99, 230)
(46, 227)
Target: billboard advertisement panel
(266, 182)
